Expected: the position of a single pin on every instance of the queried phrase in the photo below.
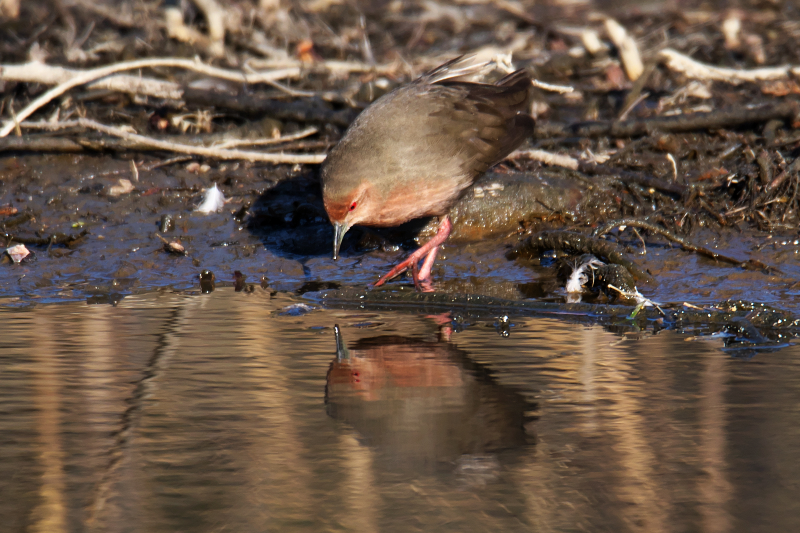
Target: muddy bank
(284, 237)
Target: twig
(263, 142)
(165, 163)
(694, 69)
(94, 74)
(671, 159)
(36, 72)
(328, 96)
(670, 124)
(551, 87)
(639, 235)
(548, 158)
(334, 67)
(190, 149)
(52, 75)
(780, 178)
(632, 105)
(628, 51)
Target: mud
(285, 237)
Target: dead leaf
(123, 186)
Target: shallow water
(218, 413)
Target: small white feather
(213, 201)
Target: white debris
(580, 276)
(640, 299)
(123, 186)
(628, 50)
(591, 41)
(730, 29)
(213, 201)
(18, 252)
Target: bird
(417, 149)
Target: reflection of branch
(55, 238)
(129, 422)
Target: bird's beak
(342, 353)
(339, 229)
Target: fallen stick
(39, 143)
(91, 75)
(36, 72)
(626, 176)
(694, 69)
(233, 143)
(671, 124)
(187, 148)
(790, 170)
(548, 158)
(565, 161)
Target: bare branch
(694, 69)
(218, 153)
(188, 64)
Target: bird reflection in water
(423, 405)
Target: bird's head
(353, 178)
(346, 207)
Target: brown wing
(490, 119)
(461, 68)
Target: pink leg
(427, 265)
(429, 249)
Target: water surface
(235, 412)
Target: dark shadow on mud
(290, 220)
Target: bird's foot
(422, 276)
(411, 261)
(423, 283)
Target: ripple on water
(197, 413)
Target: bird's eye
(353, 206)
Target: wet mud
(90, 243)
